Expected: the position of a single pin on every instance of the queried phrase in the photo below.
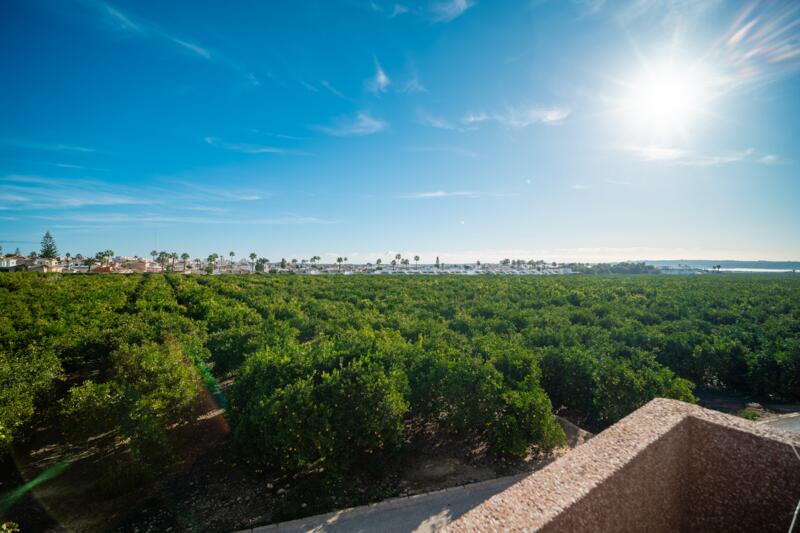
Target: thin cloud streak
(447, 11)
(36, 192)
(204, 193)
(362, 124)
(31, 145)
(454, 194)
(121, 21)
(680, 157)
(512, 117)
(199, 50)
(516, 117)
(245, 148)
(448, 149)
(334, 91)
(432, 121)
(172, 219)
(398, 9)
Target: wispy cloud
(668, 13)
(280, 135)
(334, 91)
(207, 209)
(429, 195)
(36, 192)
(426, 119)
(117, 20)
(162, 219)
(512, 117)
(51, 147)
(446, 11)
(681, 157)
(246, 148)
(579, 187)
(520, 117)
(441, 194)
(309, 87)
(192, 191)
(199, 50)
(362, 124)
(120, 19)
(448, 149)
(398, 9)
(379, 81)
(412, 84)
(589, 7)
(761, 45)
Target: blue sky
(468, 129)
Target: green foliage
(151, 387)
(748, 415)
(329, 372)
(25, 376)
(9, 527)
(48, 247)
(289, 413)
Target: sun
(665, 100)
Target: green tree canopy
(48, 249)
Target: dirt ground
(206, 491)
(734, 404)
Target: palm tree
(378, 261)
(212, 261)
(416, 260)
(339, 260)
(398, 257)
(153, 254)
(253, 256)
(394, 262)
(184, 257)
(232, 255)
(90, 261)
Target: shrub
(286, 415)
(25, 377)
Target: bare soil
(205, 490)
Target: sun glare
(665, 100)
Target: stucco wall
(650, 493)
(669, 466)
(740, 481)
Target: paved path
(420, 513)
(789, 423)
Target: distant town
(48, 260)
